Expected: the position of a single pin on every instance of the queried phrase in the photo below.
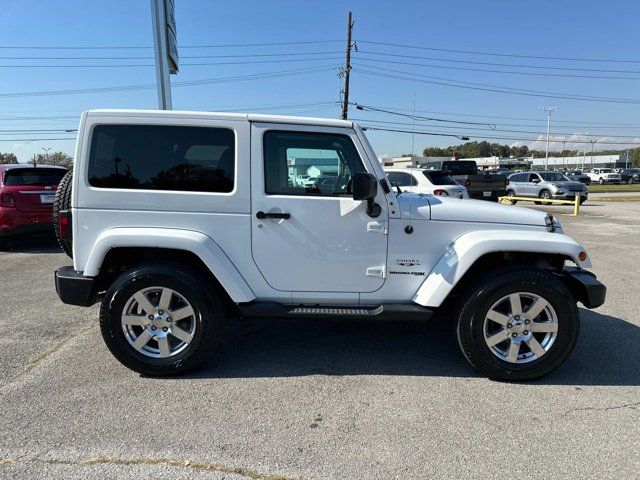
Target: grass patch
(595, 188)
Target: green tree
(8, 158)
(56, 158)
(635, 157)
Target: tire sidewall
(206, 315)
(471, 324)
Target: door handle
(262, 215)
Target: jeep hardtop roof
(251, 117)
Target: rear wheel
(3, 243)
(61, 203)
(161, 319)
(518, 324)
(601, 181)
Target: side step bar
(381, 312)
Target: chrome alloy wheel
(158, 322)
(520, 327)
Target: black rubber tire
(511, 193)
(545, 194)
(194, 287)
(582, 200)
(601, 181)
(487, 290)
(63, 202)
(3, 243)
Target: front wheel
(161, 319)
(601, 181)
(518, 324)
(545, 195)
(511, 193)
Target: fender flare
(179, 239)
(469, 247)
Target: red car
(26, 198)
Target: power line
(33, 139)
(493, 88)
(286, 54)
(128, 47)
(510, 118)
(490, 137)
(493, 64)
(182, 64)
(418, 117)
(496, 54)
(149, 86)
(467, 129)
(509, 72)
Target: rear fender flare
(179, 239)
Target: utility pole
(413, 128)
(592, 142)
(34, 159)
(548, 110)
(347, 71)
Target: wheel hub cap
(158, 322)
(520, 327)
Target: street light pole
(592, 142)
(584, 156)
(548, 110)
(46, 151)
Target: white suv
(426, 181)
(176, 220)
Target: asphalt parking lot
(332, 399)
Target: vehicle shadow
(39, 243)
(606, 354)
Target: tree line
(55, 158)
(486, 149)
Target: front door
(308, 234)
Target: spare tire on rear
(61, 203)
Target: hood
(425, 207)
(569, 185)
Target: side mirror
(365, 187)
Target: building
(409, 161)
(580, 162)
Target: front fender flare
(469, 247)
(179, 239)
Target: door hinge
(377, 227)
(376, 272)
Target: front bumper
(569, 195)
(74, 288)
(584, 286)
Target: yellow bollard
(576, 206)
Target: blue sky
(307, 82)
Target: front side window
(161, 157)
(553, 177)
(306, 163)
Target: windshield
(33, 176)
(553, 177)
(606, 170)
(439, 178)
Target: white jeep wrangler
(176, 220)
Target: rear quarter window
(162, 157)
(33, 176)
(439, 178)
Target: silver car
(545, 185)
